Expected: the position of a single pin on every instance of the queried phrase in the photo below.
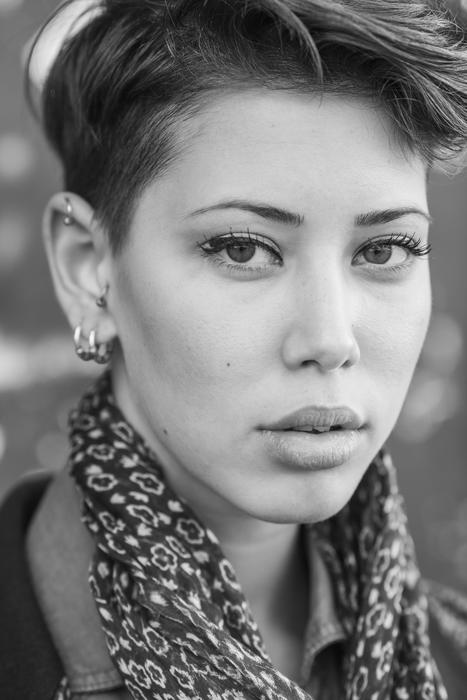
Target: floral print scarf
(176, 622)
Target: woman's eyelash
(412, 243)
(216, 244)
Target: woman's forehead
(292, 150)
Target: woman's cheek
(397, 340)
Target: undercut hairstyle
(117, 102)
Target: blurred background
(40, 376)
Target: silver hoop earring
(80, 350)
(91, 350)
(92, 345)
(68, 217)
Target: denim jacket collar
(59, 552)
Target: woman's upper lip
(318, 417)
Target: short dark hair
(120, 90)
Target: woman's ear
(80, 262)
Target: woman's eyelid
(408, 239)
(242, 235)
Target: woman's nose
(322, 330)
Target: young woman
(243, 237)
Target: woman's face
(273, 285)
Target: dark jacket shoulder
(30, 667)
(448, 634)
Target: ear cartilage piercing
(101, 301)
(68, 217)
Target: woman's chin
(312, 501)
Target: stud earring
(101, 301)
(68, 217)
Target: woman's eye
(240, 252)
(392, 252)
(250, 252)
(383, 253)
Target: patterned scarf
(176, 622)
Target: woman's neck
(271, 566)
(263, 556)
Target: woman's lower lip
(312, 451)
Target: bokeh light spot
(17, 157)
(10, 5)
(444, 343)
(432, 401)
(24, 363)
(14, 234)
(435, 394)
(52, 450)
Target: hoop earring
(91, 350)
(82, 353)
(68, 217)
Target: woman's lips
(315, 437)
(310, 417)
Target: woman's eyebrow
(283, 216)
(266, 211)
(385, 216)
